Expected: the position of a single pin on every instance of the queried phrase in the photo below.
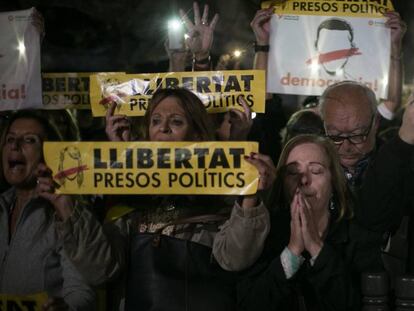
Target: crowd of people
(332, 192)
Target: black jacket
(332, 283)
(381, 194)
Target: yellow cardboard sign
(350, 8)
(22, 303)
(218, 90)
(67, 90)
(152, 167)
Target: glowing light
(237, 53)
(253, 115)
(314, 66)
(175, 24)
(22, 48)
(385, 80)
(339, 72)
(186, 36)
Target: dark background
(129, 35)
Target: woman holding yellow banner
(174, 243)
(32, 248)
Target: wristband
(261, 48)
(203, 61)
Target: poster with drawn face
(310, 52)
(20, 77)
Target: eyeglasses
(353, 139)
(26, 140)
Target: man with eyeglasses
(376, 175)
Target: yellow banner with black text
(152, 167)
(23, 303)
(349, 8)
(67, 90)
(218, 90)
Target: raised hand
(177, 58)
(118, 127)
(200, 33)
(38, 22)
(312, 239)
(296, 244)
(261, 25)
(266, 169)
(267, 175)
(240, 122)
(398, 29)
(45, 188)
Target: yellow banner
(66, 90)
(22, 303)
(350, 8)
(219, 90)
(152, 167)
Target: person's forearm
(176, 65)
(241, 238)
(260, 63)
(395, 80)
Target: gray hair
(368, 92)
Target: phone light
(175, 24)
(237, 53)
(21, 47)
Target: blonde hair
(342, 197)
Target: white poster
(20, 78)
(310, 52)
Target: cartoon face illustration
(70, 166)
(334, 45)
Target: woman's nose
(305, 178)
(165, 127)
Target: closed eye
(155, 121)
(10, 139)
(177, 122)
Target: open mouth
(16, 163)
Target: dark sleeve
(331, 278)
(380, 200)
(336, 274)
(264, 288)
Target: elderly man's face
(350, 123)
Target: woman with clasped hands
(315, 251)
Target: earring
(331, 204)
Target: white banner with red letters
(316, 43)
(20, 78)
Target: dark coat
(332, 283)
(381, 195)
